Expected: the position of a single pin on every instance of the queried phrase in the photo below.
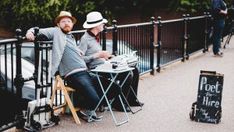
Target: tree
(24, 13)
(193, 6)
(27, 13)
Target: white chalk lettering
(209, 87)
(211, 103)
(203, 81)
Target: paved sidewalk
(168, 97)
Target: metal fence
(11, 81)
(172, 41)
(158, 43)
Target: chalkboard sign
(208, 106)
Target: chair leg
(60, 86)
(53, 93)
(71, 107)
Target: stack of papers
(130, 59)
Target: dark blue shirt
(216, 6)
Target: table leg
(125, 98)
(108, 103)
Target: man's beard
(66, 29)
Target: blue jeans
(217, 35)
(82, 82)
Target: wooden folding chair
(59, 85)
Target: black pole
(152, 45)
(36, 64)
(210, 21)
(187, 38)
(104, 32)
(206, 33)
(184, 43)
(19, 80)
(159, 43)
(114, 34)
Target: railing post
(36, 64)
(185, 38)
(114, 35)
(159, 43)
(19, 80)
(152, 46)
(104, 32)
(206, 33)
(209, 30)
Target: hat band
(95, 21)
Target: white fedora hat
(94, 19)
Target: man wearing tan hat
(67, 60)
(94, 55)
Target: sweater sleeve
(84, 47)
(48, 32)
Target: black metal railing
(158, 43)
(172, 42)
(42, 66)
(11, 81)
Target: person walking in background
(219, 12)
(94, 55)
(68, 61)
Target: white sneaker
(93, 116)
(89, 116)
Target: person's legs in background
(135, 81)
(132, 82)
(218, 30)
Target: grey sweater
(89, 45)
(59, 42)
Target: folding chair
(59, 85)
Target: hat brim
(86, 25)
(57, 19)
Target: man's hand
(103, 54)
(223, 12)
(30, 36)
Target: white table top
(108, 70)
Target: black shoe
(136, 103)
(219, 54)
(120, 108)
(82, 115)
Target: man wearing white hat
(67, 59)
(93, 53)
(89, 43)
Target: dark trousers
(83, 84)
(134, 84)
(113, 91)
(217, 35)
